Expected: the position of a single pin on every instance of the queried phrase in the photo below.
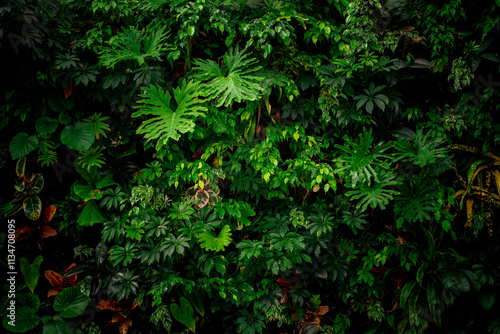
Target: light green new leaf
(31, 272)
(233, 81)
(209, 242)
(167, 122)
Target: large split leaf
(168, 122)
(209, 242)
(233, 81)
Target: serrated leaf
(79, 136)
(22, 145)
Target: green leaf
(36, 183)
(70, 302)
(56, 325)
(209, 242)
(405, 293)
(184, 313)
(105, 182)
(487, 299)
(28, 299)
(21, 167)
(25, 320)
(31, 272)
(434, 304)
(32, 207)
(232, 82)
(167, 122)
(22, 145)
(45, 125)
(91, 214)
(79, 136)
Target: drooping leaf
(184, 313)
(31, 272)
(91, 214)
(22, 145)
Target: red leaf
(125, 326)
(109, 305)
(48, 213)
(54, 279)
(47, 232)
(323, 310)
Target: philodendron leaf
(28, 299)
(24, 320)
(32, 207)
(184, 313)
(45, 125)
(209, 242)
(71, 302)
(31, 272)
(78, 137)
(56, 324)
(22, 145)
(91, 214)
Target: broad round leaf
(56, 325)
(78, 137)
(22, 144)
(184, 313)
(70, 302)
(45, 125)
(25, 320)
(28, 299)
(32, 207)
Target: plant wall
(250, 166)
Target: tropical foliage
(260, 166)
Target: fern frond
(167, 122)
